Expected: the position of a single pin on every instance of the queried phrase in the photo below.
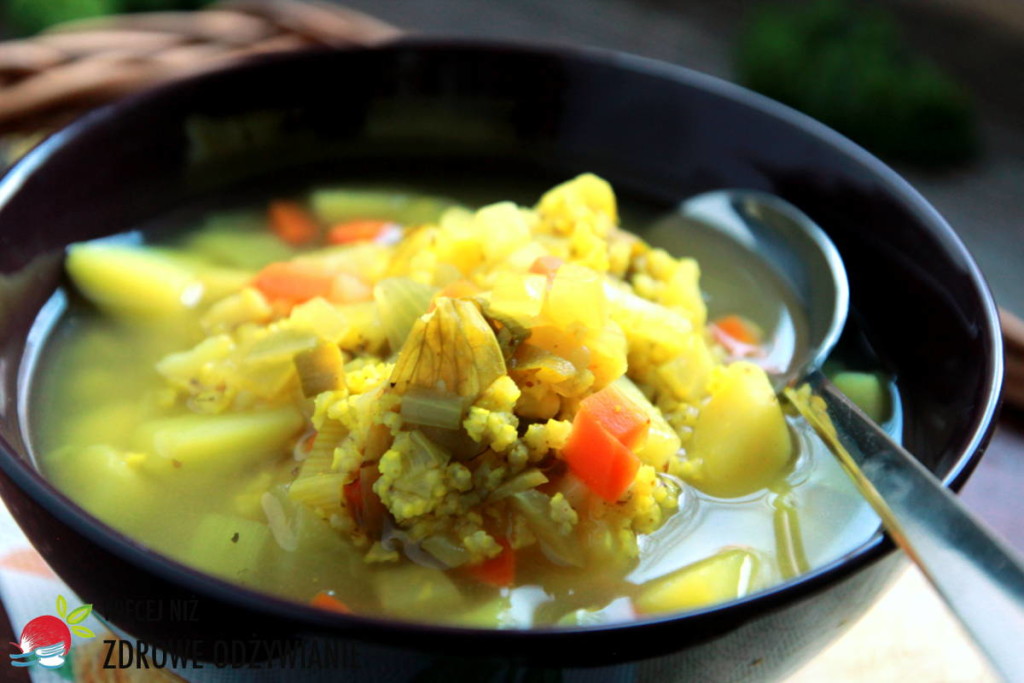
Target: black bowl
(445, 109)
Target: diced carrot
(292, 282)
(499, 570)
(327, 601)
(740, 337)
(292, 223)
(598, 458)
(353, 493)
(356, 231)
(739, 328)
(618, 414)
(546, 265)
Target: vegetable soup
(393, 404)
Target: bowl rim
(422, 635)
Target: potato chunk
(727, 575)
(741, 442)
(132, 281)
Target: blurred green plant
(847, 65)
(26, 17)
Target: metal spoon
(978, 576)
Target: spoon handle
(976, 574)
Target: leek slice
(400, 303)
(446, 551)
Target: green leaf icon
(79, 614)
(62, 606)
(82, 631)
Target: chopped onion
(530, 479)
(451, 350)
(400, 302)
(562, 549)
(445, 551)
(282, 531)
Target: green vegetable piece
(433, 409)
(336, 206)
(320, 369)
(868, 391)
(238, 239)
(846, 64)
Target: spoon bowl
(802, 257)
(979, 577)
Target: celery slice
(335, 205)
(238, 239)
(320, 369)
(432, 409)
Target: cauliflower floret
(494, 429)
(481, 545)
(563, 514)
(413, 479)
(500, 396)
(547, 436)
(564, 206)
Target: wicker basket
(51, 78)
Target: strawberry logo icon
(46, 640)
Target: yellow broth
(97, 390)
